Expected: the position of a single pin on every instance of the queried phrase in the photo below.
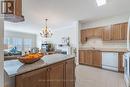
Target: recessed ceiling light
(101, 2)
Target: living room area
(17, 44)
(20, 40)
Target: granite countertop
(107, 49)
(14, 67)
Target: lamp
(46, 33)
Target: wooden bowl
(27, 60)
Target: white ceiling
(63, 12)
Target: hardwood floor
(95, 77)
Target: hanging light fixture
(46, 33)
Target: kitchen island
(55, 70)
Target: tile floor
(94, 77)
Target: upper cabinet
(89, 33)
(17, 12)
(83, 36)
(107, 33)
(124, 30)
(119, 31)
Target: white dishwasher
(110, 61)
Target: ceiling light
(101, 2)
(46, 33)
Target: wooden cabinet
(120, 62)
(106, 33)
(61, 74)
(94, 58)
(81, 56)
(70, 73)
(83, 36)
(124, 29)
(98, 32)
(119, 31)
(116, 32)
(35, 78)
(89, 33)
(94, 32)
(56, 75)
(97, 58)
(90, 57)
(17, 14)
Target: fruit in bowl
(30, 58)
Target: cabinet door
(120, 62)
(35, 78)
(106, 33)
(55, 77)
(81, 56)
(89, 33)
(98, 32)
(88, 57)
(70, 73)
(124, 28)
(83, 36)
(116, 32)
(97, 58)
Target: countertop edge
(124, 51)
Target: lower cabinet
(70, 73)
(90, 57)
(82, 56)
(35, 78)
(94, 58)
(120, 62)
(97, 59)
(57, 75)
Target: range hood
(16, 15)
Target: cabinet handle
(86, 39)
(48, 69)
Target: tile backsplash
(98, 43)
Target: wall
(1, 52)
(97, 42)
(70, 31)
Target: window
(27, 44)
(22, 44)
(22, 41)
